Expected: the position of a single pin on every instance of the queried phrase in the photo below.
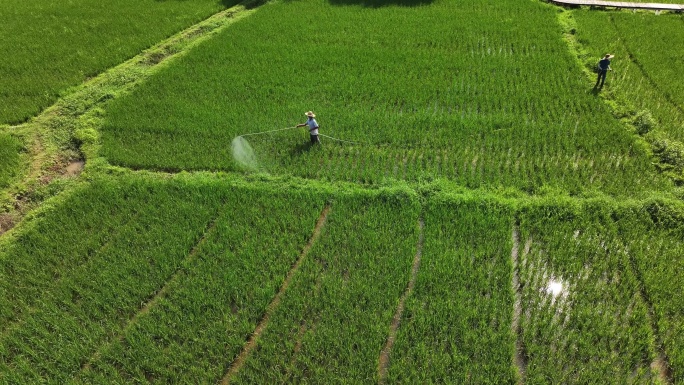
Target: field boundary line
(159, 294)
(240, 360)
(384, 359)
(519, 354)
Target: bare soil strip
(271, 308)
(383, 361)
(159, 294)
(519, 356)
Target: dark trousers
(314, 139)
(601, 77)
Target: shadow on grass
(304, 147)
(382, 3)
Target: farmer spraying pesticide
(603, 68)
(313, 127)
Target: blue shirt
(604, 64)
(313, 126)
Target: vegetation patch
(10, 160)
(457, 322)
(472, 98)
(344, 297)
(50, 46)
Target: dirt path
(383, 361)
(159, 294)
(271, 308)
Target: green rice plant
(583, 317)
(10, 160)
(335, 317)
(74, 276)
(199, 326)
(457, 323)
(646, 64)
(653, 238)
(50, 46)
(466, 77)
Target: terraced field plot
(334, 319)
(646, 64)
(139, 272)
(656, 252)
(48, 46)
(475, 97)
(583, 319)
(457, 323)
(501, 224)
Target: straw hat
(310, 114)
(609, 56)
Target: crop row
(49, 46)
(491, 160)
(583, 316)
(646, 63)
(9, 158)
(457, 323)
(334, 320)
(472, 78)
(72, 282)
(495, 159)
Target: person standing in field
(313, 127)
(603, 68)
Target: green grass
(457, 323)
(74, 278)
(653, 238)
(475, 97)
(595, 327)
(141, 277)
(10, 160)
(50, 46)
(335, 317)
(646, 65)
(194, 332)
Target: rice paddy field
(49, 46)
(475, 214)
(10, 148)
